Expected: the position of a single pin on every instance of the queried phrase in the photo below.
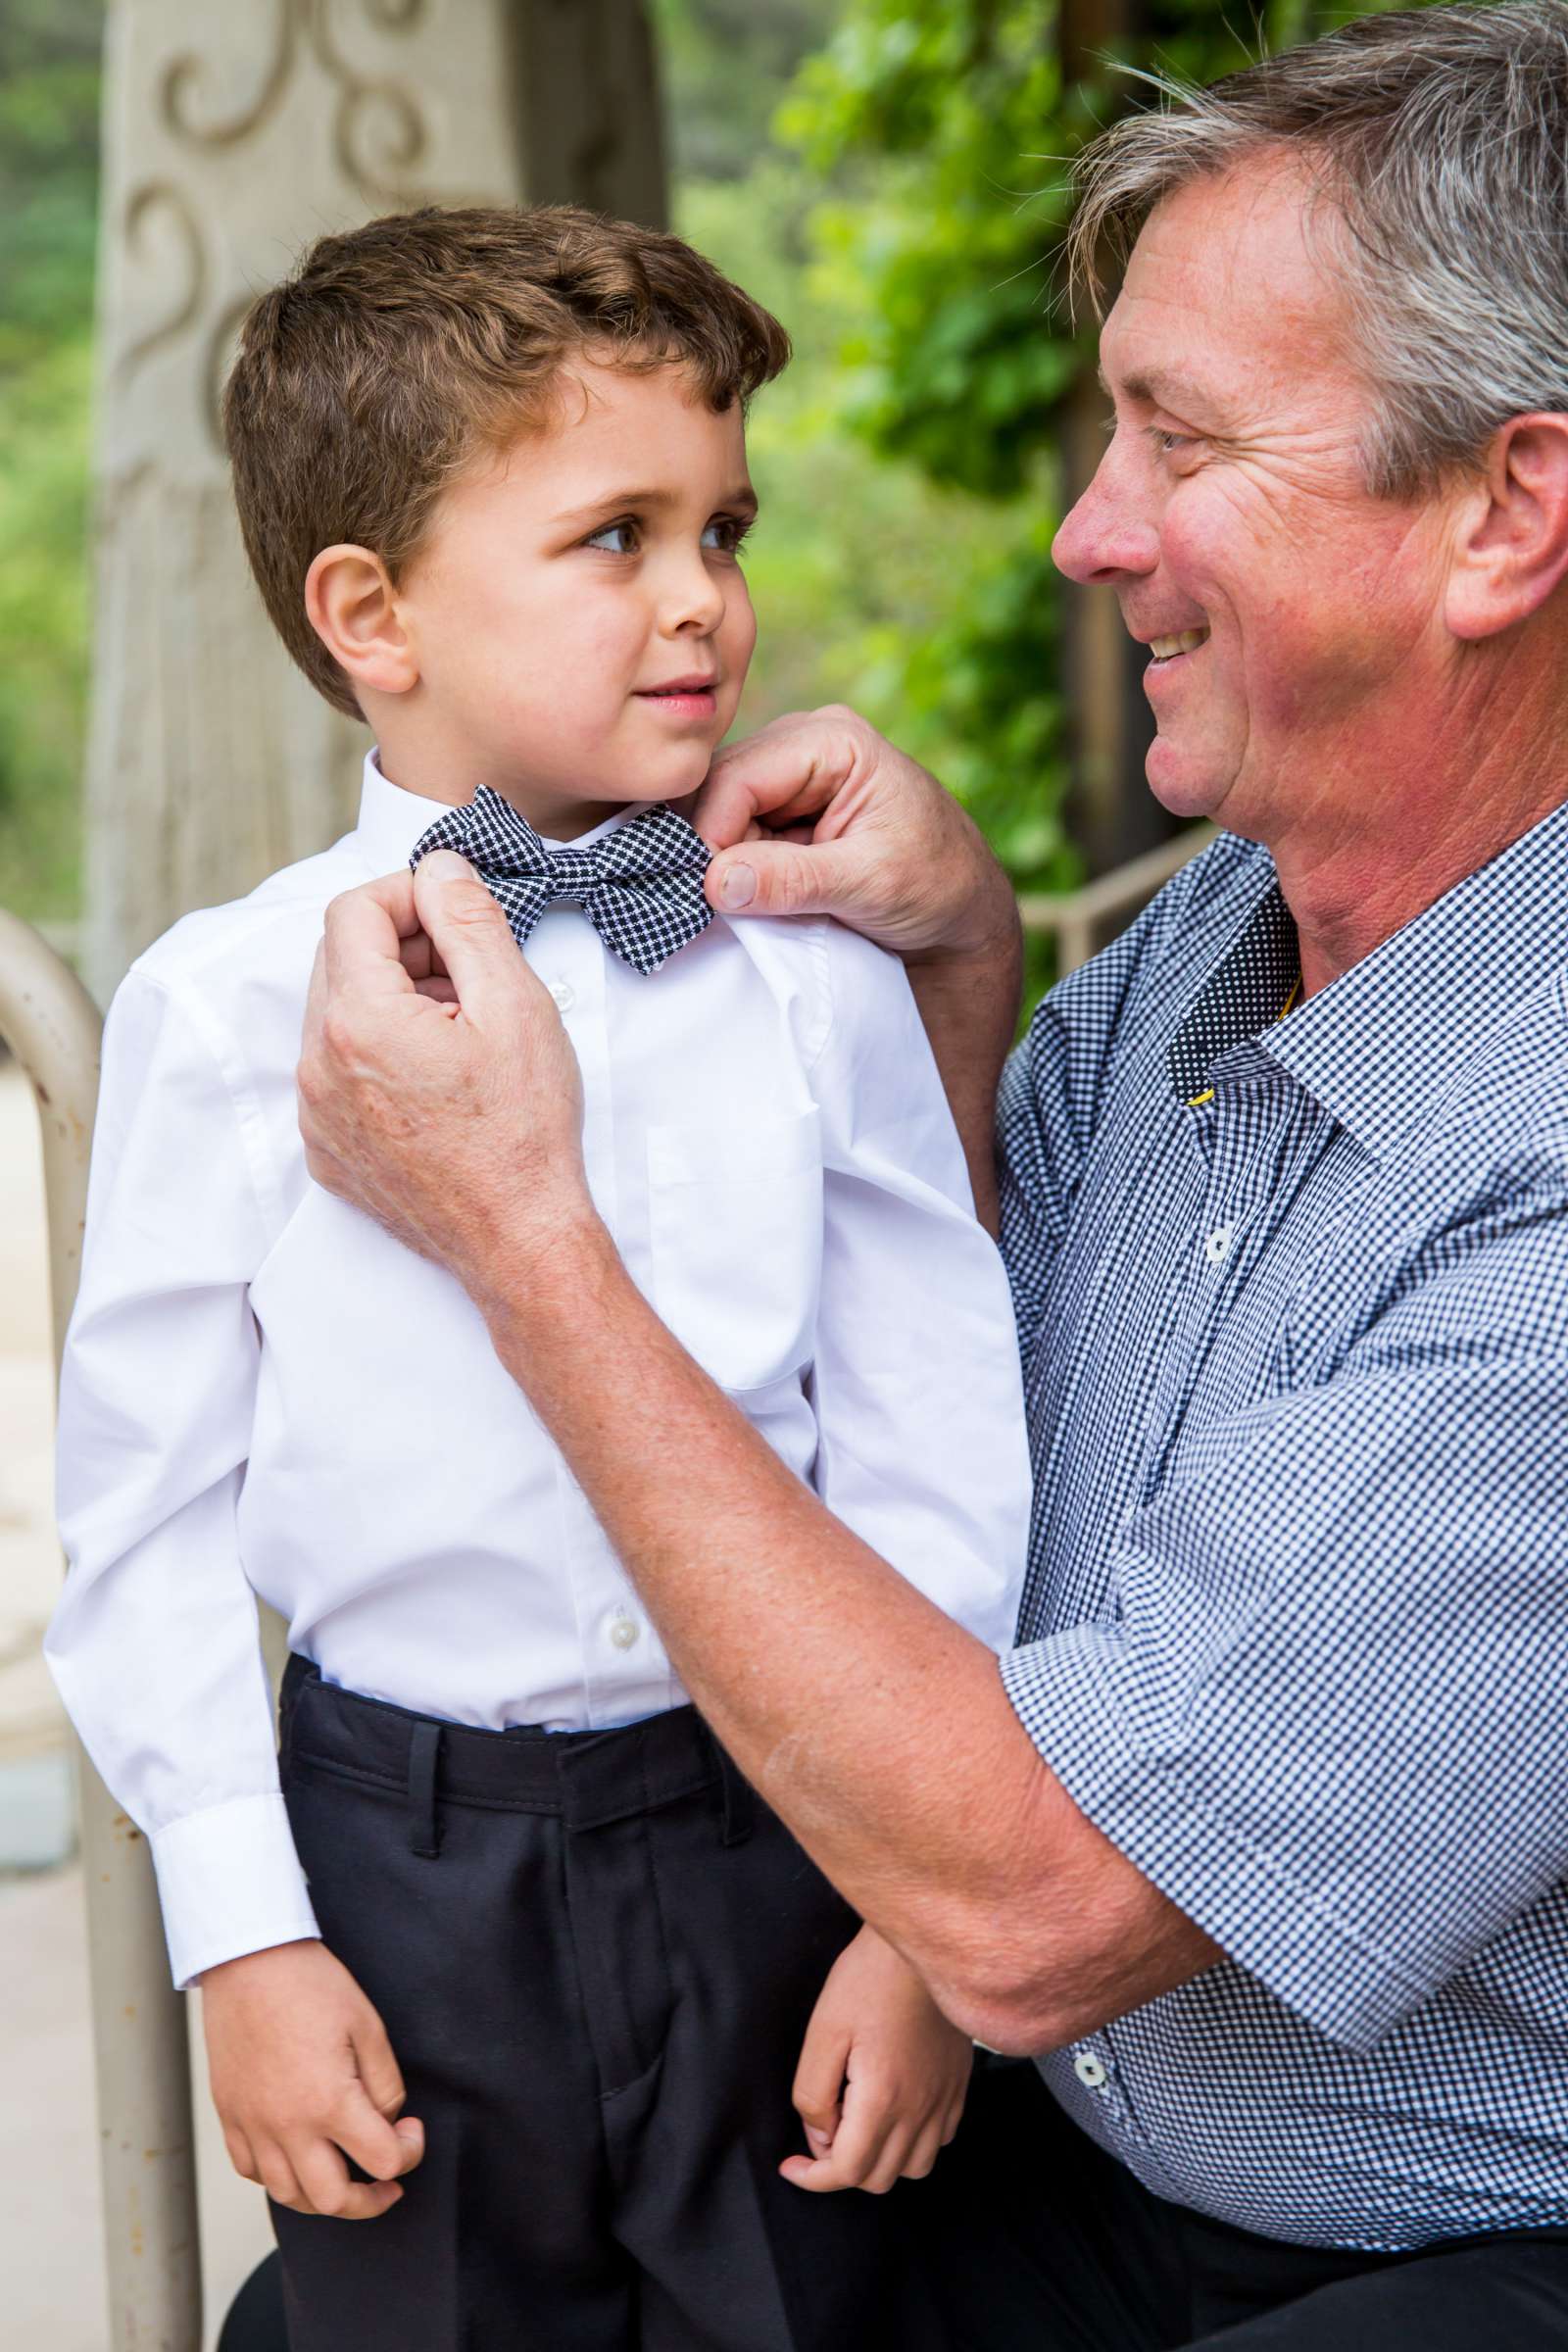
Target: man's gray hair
(1439, 138)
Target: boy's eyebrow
(742, 498)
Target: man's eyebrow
(741, 500)
(1160, 388)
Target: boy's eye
(726, 533)
(616, 538)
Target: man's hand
(818, 814)
(438, 1090)
(882, 2078)
(303, 2075)
(832, 820)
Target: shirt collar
(1379, 1043)
(391, 820)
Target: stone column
(234, 137)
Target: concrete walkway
(51, 2257)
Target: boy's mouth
(694, 697)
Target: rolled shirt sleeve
(1325, 1713)
(155, 1643)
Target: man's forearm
(969, 1005)
(877, 1726)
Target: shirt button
(1088, 2071)
(1217, 1248)
(623, 1632)
(564, 994)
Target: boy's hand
(882, 2077)
(303, 2075)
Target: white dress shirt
(265, 1393)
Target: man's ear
(351, 603)
(1512, 552)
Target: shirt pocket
(735, 1229)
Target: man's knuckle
(337, 1036)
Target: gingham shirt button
(1088, 2071)
(1217, 1248)
(623, 1630)
(564, 994)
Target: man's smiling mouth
(1186, 640)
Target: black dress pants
(1039, 2241)
(594, 1955)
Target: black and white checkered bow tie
(640, 887)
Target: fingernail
(448, 865)
(737, 886)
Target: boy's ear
(353, 606)
(1512, 548)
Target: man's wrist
(539, 1271)
(984, 928)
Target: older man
(1261, 1833)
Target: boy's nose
(693, 603)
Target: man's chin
(1189, 786)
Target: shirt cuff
(229, 1882)
(1163, 1814)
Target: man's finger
(468, 930)
(418, 959)
(785, 877)
(796, 765)
(365, 929)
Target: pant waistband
(588, 1778)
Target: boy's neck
(556, 816)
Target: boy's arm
(155, 1643)
(923, 1447)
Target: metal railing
(141, 2053)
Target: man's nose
(1105, 538)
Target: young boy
(499, 1926)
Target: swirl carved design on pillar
(379, 139)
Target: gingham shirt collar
(1392, 1034)
(1381, 1042)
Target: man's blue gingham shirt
(1295, 1631)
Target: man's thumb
(465, 925)
(781, 877)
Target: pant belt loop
(424, 1755)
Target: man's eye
(616, 538)
(1167, 443)
(727, 534)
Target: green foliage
(945, 129)
(48, 202)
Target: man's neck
(454, 777)
(1416, 833)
